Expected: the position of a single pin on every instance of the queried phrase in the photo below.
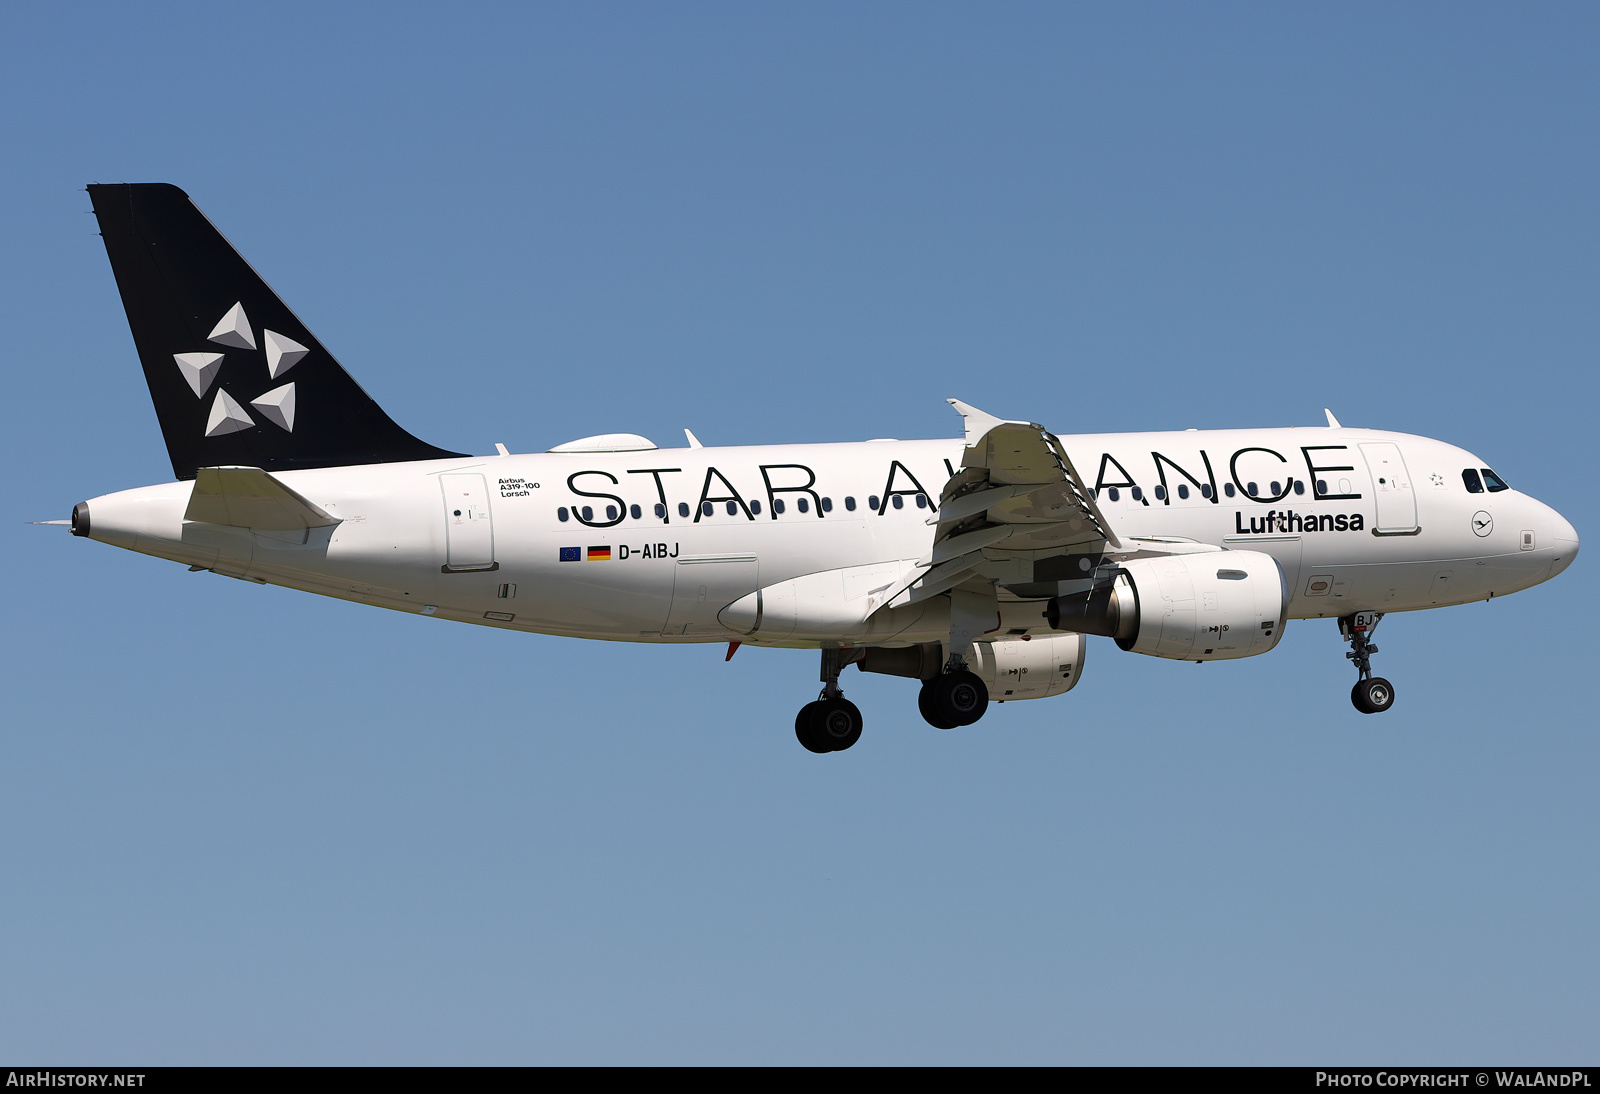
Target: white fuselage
(1359, 520)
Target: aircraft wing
(1016, 502)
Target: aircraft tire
(959, 698)
(838, 723)
(808, 728)
(968, 697)
(930, 714)
(1372, 696)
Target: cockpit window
(1494, 482)
(1474, 484)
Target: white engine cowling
(1211, 606)
(1034, 668)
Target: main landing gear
(1372, 694)
(956, 697)
(832, 723)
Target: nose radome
(1563, 541)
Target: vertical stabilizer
(236, 378)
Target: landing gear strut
(832, 723)
(956, 697)
(1372, 694)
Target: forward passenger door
(1391, 487)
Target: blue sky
(244, 825)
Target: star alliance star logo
(200, 371)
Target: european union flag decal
(571, 554)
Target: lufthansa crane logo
(1482, 523)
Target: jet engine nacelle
(1211, 606)
(1032, 668)
(1013, 667)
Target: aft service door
(1391, 486)
(468, 529)
(702, 586)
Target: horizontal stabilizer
(248, 497)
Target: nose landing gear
(1371, 694)
(832, 723)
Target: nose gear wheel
(1372, 696)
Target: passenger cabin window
(1113, 493)
(803, 504)
(1227, 488)
(1275, 490)
(922, 501)
(683, 509)
(1183, 491)
(872, 502)
(661, 510)
(850, 503)
(561, 514)
(588, 513)
(778, 505)
(1474, 484)
(1322, 487)
(635, 512)
(1250, 488)
(1494, 482)
(1205, 490)
(827, 505)
(611, 512)
(1161, 493)
(707, 509)
(755, 507)
(1137, 494)
(898, 501)
(733, 507)
(1299, 487)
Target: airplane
(975, 566)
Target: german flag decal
(599, 554)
